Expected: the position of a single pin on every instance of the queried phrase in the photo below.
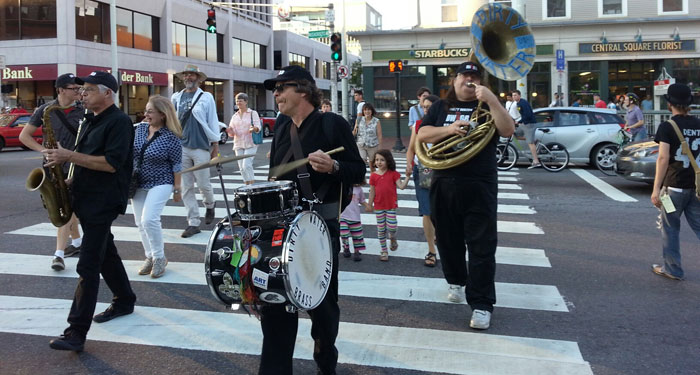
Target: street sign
(561, 62)
(343, 71)
(315, 34)
(330, 15)
(661, 85)
(283, 12)
(2, 61)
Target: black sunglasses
(280, 88)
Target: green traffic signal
(211, 21)
(211, 29)
(336, 48)
(335, 56)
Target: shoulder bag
(686, 150)
(257, 137)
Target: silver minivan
(588, 134)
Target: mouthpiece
(471, 84)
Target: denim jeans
(670, 224)
(640, 135)
(148, 206)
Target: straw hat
(189, 68)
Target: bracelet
(176, 191)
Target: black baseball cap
(99, 78)
(679, 94)
(469, 67)
(289, 73)
(65, 79)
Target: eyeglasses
(74, 89)
(280, 88)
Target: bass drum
(291, 257)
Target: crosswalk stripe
(362, 344)
(357, 284)
(502, 208)
(407, 249)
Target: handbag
(135, 181)
(425, 175)
(257, 137)
(686, 150)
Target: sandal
(384, 257)
(394, 244)
(430, 260)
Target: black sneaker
(190, 231)
(68, 341)
(70, 251)
(209, 215)
(356, 256)
(112, 313)
(57, 264)
(346, 252)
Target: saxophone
(52, 188)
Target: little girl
(350, 224)
(382, 198)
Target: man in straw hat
(196, 111)
(675, 179)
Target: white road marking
(602, 186)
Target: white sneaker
(481, 319)
(455, 293)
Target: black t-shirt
(314, 136)
(483, 165)
(63, 135)
(680, 173)
(98, 194)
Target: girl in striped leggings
(351, 225)
(382, 198)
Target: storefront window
(36, 17)
(412, 78)
(687, 71)
(631, 76)
(92, 23)
(538, 85)
(584, 80)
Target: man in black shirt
(64, 124)
(675, 179)
(463, 198)
(103, 161)
(298, 97)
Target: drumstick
(288, 167)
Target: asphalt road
(595, 255)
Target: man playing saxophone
(463, 197)
(65, 122)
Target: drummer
(301, 132)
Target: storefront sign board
(637, 47)
(130, 77)
(41, 72)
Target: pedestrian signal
(211, 21)
(395, 66)
(336, 46)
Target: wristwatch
(176, 191)
(336, 167)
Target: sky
(396, 14)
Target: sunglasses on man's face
(281, 87)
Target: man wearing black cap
(65, 123)
(103, 159)
(675, 179)
(313, 132)
(463, 198)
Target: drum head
(265, 186)
(307, 260)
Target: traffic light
(336, 47)
(211, 21)
(395, 66)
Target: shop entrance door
(632, 76)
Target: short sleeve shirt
(385, 189)
(352, 211)
(680, 173)
(633, 116)
(161, 159)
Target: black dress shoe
(111, 313)
(68, 341)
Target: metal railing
(652, 119)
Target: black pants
(280, 327)
(98, 255)
(464, 211)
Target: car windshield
(6, 120)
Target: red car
(268, 118)
(10, 127)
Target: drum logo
(277, 237)
(260, 279)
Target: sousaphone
(503, 44)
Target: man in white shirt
(360, 99)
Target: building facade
(606, 47)
(42, 39)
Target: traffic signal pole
(398, 147)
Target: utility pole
(344, 84)
(113, 31)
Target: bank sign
(637, 47)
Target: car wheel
(266, 131)
(604, 157)
(224, 137)
(2, 144)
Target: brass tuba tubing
(52, 187)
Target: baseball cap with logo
(289, 73)
(468, 67)
(65, 79)
(99, 78)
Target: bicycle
(553, 156)
(606, 157)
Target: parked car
(268, 118)
(223, 136)
(589, 134)
(11, 125)
(637, 161)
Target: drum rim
(207, 260)
(266, 215)
(274, 186)
(285, 263)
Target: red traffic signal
(395, 66)
(211, 21)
